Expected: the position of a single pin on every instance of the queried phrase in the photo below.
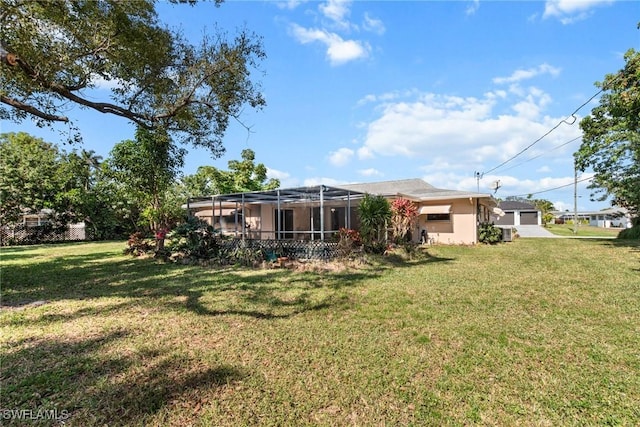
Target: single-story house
(606, 218)
(318, 212)
(517, 213)
(30, 228)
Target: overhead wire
(555, 188)
(542, 154)
(569, 120)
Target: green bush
(138, 244)
(489, 233)
(194, 238)
(630, 233)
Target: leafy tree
(243, 175)
(611, 137)
(29, 168)
(403, 216)
(375, 213)
(147, 167)
(53, 52)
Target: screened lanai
(302, 213)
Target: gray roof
(510, 205)
(411, 188)
(416, 189)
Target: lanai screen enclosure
(302, 213)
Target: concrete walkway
(534, 231)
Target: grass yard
(583, 230)
(533, 332)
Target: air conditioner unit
(506, 234)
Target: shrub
(348, 241)
(489, 233)
(138, 244)
(630, 233)
(403, 216)
(194, 238)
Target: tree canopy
(243, 175)
(54, 51)
(147, 167)
(29, 169)
(611, 137)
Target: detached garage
(518, 213)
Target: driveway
(534, 231)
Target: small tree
(545, 207)
(403, 216)
(147, 167)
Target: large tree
(54, 51)
(29, 175)
(611, 137)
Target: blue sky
(366, 91)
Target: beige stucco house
(318, 212)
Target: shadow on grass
(261, 294)
(93, 385)
(632, 244)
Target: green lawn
(533, 332)
(583, 230)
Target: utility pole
(575, 199)
(478, 178)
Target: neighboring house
(517, 213)
(606, 218)
(30, 228)
(318, 212)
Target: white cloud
(370, 172)
(559, 205)
(337, 11)
(339, 51)
(309, 182)
(274, 173)
(570, 11)
(341, 157)
(373, 25)
(509, 185)
(100, 82)
(285, 178)
(289, 4)
(473, 7)
(365, 152)
(530, 73)
(468, 132)
(544, 169)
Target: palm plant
(375, 213)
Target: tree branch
(32, 110)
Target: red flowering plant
(161, 233)
(349, 234)
(348, 240)
(403, 216)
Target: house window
(439, 217)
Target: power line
(552, 189)
(540, 155)
(572, 119)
